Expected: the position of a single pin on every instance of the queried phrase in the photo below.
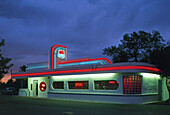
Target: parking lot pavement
(15, 105)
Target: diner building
(95, 79)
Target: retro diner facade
(93, 80)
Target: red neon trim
(83, 60)
(52, 54)
(88, 70)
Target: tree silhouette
(136, 47)
(4, 62)
(23, 68)
(162, 59)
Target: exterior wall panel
(40, 79)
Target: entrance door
(35, 88)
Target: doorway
(35, 88)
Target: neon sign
(42, 86)
(53, 55)
(61, 54)
(78, 84)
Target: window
(132, 84)
(58, 85)
(106, 85)
(78, 84)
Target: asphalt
(15, 105)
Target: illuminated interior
(132, 84)
(106, 85)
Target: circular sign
(61, 54)
(42, 86)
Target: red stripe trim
(83, 60)
(89, 70)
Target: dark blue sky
(31, 27)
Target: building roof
(85, 66)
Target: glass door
(35, 88)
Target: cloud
(31, 27)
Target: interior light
(150, 75)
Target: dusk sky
(86, 27)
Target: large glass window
(78, 84)
(58, 85)
(132, 84)
(106, 85)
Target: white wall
(40, 79)
(24, 92)
(165, 92)
(150, 83)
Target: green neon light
(150, 75)
(85, 76)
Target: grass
(15, 105)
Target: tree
(10, 83)
(4, 61)
(136, 47)
(161, 59)
(17, 84)
(21, 83)
(23, 68)
(2, 85)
